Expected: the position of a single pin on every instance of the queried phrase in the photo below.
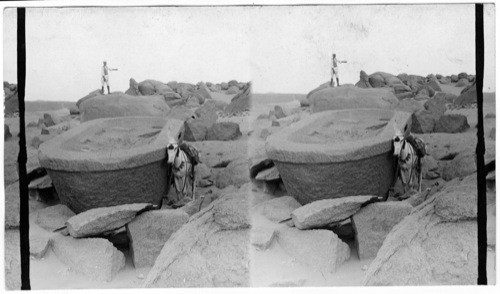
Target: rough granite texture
(52, 217)
(313, 171)
(351, 97)
(100, 220)
(312, 182)
(279, 209)
(323, 212)
(122, 105)
(211, 250)
(320, 249)
(374, 222)
(262, 237)
(425, 249)
(149, 231)
(96, 258)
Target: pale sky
(282, 49)
(295, 44)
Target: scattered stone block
(53, 217)
(195, 130)
(278, 112)
(451, 123)
(48, 120)
(279, 209)
(374, 222)
(149, 231)
(423, 121)
(320, 213)
(457, 202)
(104, 219)
(44, 182)
(269, 174)
(320, 249)
(224, 131)
(95, 258)
(39, 244)
(262, 237)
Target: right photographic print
(364, 126)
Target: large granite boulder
(120, 105)
(462, 165)
(95, 258)
(352, 146)
(435, 245)
(410, 105)
(181, 112)
(52, 217)
(319, 88)
(208, 112)
(351, 97)
(451, 123)
(319, 249)
(149, 231)
(321, 213)
(195, 129)
(236, 173)
(363, 80)
(462, 82)
(423, 121)
(436, 105)
(279, 209)
(152, 87)
(133, 89)
(374, 222)
(211, 250)
(88, 96)
(109, 162)
(224, 131)
(448, 97)
(100, 220)
(241, 102)
(467, 96)
(433, 83)
(382, 79)
(463, 75)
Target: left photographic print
(136, 138)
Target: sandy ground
(274, 266)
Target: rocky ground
(283, 255)
(113, 248)
(250, 231)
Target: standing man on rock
(105, 77)
(335, 69)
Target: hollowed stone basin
(110, 161)
(337, 153)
